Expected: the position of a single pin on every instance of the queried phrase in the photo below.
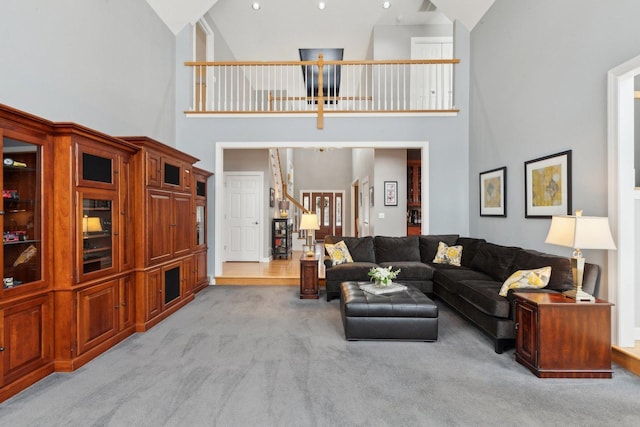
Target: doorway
(217, 233)
(623, 206)
(243, 213)
(329, 207)
(202, 51)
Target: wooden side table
(309, 277)
(557, 337)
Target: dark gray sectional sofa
(471, 289)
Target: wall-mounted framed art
(493, 192)
(272, 197)
(391, 193)
(547, 184)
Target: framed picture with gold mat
(547, 184)
(493, 192)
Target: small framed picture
(371, 193)
(547, 185)
(391, 193)
(272, 197)
(493, 192)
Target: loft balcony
(323, 87)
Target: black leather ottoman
(406, 316)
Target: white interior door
(432, 85)
(243, 214)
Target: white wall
(389, 41)
(636, 105)
(390, 165)
(539, 87)
(108, 65)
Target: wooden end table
(309, 277)
(557, 337)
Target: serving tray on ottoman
(407, 316)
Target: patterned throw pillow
(448, 254)
(522, 279)
(339, 253)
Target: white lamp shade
(580, 232)
(91, 224)
(309, 221)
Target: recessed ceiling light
(386, 5)
(321, 5)
(255, 5)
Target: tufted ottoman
(409, 315)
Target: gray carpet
(259, 356)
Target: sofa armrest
(327, 261)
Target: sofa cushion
(360, 248)
(483, 294)
(354, 271)
(429, 244)
(561, 274)
(526, 279)
(450, 277)
(451, 255)
(469, 248)
(410, 270)
(392, 249)
(339, 252)
(495, 260)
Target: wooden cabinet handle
(1, 348)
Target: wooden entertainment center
(103, 237)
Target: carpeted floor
(260, 356)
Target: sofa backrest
(494, 260)
(394, 249)
(469, 248)
(501, 261)
(429, 245)
(561, 275)
(360, 248)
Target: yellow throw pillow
(339, 253)
(448, 254)
(522, 279)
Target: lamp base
(579, 295)
(309, 250)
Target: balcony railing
(319, 87)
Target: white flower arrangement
(383, 276)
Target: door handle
(256, 223)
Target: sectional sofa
(472, 288)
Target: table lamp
(283, 205)
(580, 232)
(309, 222)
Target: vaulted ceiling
(280, 27)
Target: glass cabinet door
(200, 228)
(21, 217)
(96, 228)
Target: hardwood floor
(285, 272)
(627, 357)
